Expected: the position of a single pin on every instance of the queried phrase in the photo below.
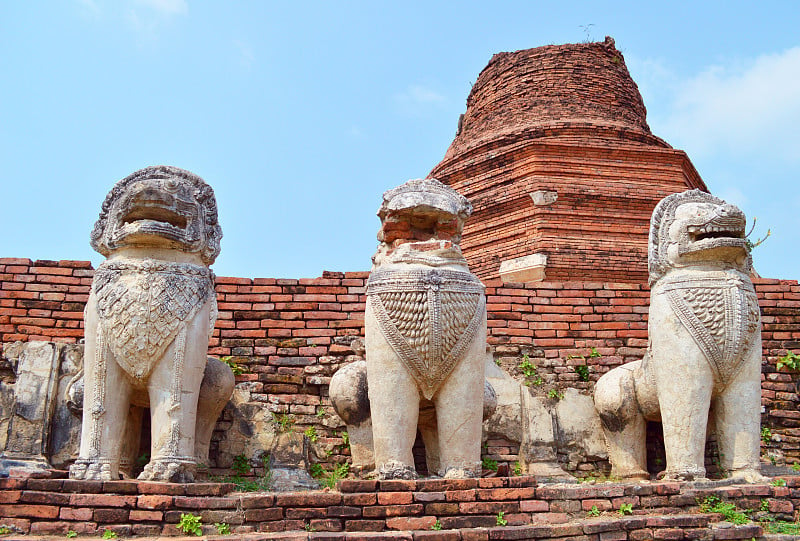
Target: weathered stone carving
(425, 331)
(148, 319)
(705, 347)
(38, 431)
(349, 397)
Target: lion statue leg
(174, 388)
(215, 391)
(459, 416)
(737, 413)
(393, 395)
(685, 384)
(104, 419)
(624, 424)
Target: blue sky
(301, 115)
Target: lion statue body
(704, 352)
(148, 319)
(425, 326)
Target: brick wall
(293, 334)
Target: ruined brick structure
(555, 153)
(556, 156)
(293, 334)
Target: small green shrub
(593, 512)
(237, 369)
(555, 394)
(583, 372)
(223, 528)
(517, 468)
(283, 422)
(190, 524)
(528, 370)
(778, 482)
(781, 527)
(796, 467)
(766, 435)
(71, 534)
(500, 519)
(241, 465)
(791, 361)
(329, 478)
(764, 504)
(437, 525)
(109, 534)
(489, 463)
(712, 504)
(311, 433)
(5, 530)
(625, 509)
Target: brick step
(362, 509)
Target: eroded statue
(148, 319)
(425, 326)
(704, 354)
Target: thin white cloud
(355, 131)
(146, 17)
(417, 98)
(245, 53)
(166, 7)
(89, 7)
(753, 108)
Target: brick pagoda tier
(555, 153)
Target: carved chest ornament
(721, 313)
(143, 305)
(429, 317)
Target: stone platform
(471, 509)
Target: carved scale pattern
(143, 305)
(429, 318)
(708, 305)
(721, 313)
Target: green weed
(489, 463)
(190, 524)
(311, 433)
(791, 361)
(712, 504)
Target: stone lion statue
(147, 322)
(425, 331)
(704, 353)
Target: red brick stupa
(555, 153)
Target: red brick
(137, 515)
(111, 515)
(410, 523)
(30, 511)
(102, 500)
(155, 501)
(394, 498)
(82, 514)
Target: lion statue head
(421, 221)
(160, 207)
(696, 229)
